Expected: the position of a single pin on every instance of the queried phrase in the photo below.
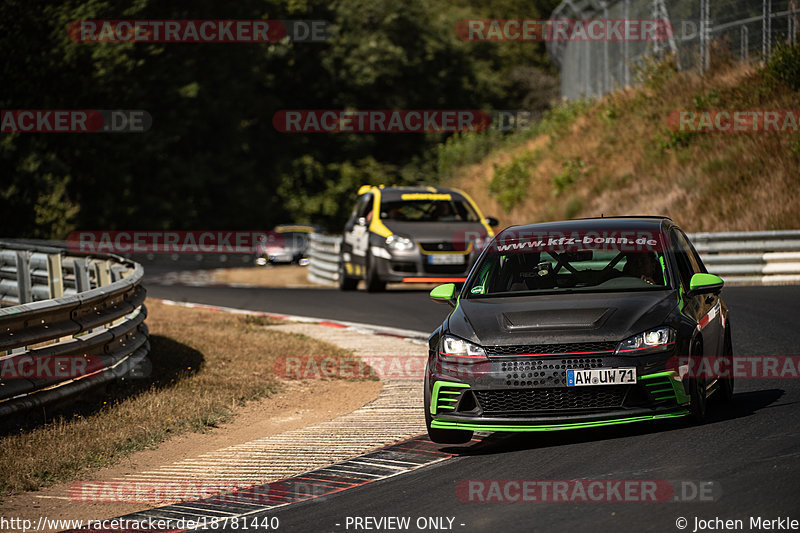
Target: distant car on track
(577, 324)
(287, 244)
(411, 235)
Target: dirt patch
(290, 409)
(267, 276)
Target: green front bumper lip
(473, 426)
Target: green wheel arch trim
(670, 377)
(471, 426)
(437, 390)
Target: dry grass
(205, 364)
(631, 164)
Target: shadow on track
(743, 405)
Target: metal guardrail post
(24, 291)
(102, 273)
(81, 266)
(55, 275)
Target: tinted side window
(681, 253)
(364, 206)
(694, 257)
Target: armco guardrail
(751, 258)
(323, 258)
(741, 258)
(68, 322)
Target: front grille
(545, 372)
(404, 267)
(555, 399)
(548, 349)
(447, 246)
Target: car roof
(396, 193)
(617, 223)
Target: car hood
(436, 231)
(560, 318)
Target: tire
(697, 391)
(373, 281)
(725, 393)
(346, 283)
(446, 436)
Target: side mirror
(493, 222)
(444, 294)
(704, 284)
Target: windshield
(525, 272)
(428, 211)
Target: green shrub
(573, 169)
(784, 65)
(464, 149)
(653, 72)
(557, 121)
(510, 182)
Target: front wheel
(726, 384)
(345, 283)
(373, 280)
(696, 386)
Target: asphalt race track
(750, 450)
(406, 309)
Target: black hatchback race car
(577, 324)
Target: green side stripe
(448, 424)
(667, 374)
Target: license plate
(601, 376)
(446, 259)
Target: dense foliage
(212, 159)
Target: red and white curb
(418, 337)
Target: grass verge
(205, 364)
(618, 156)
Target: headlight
(655, 340)
(455, 347)
(397, 243)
